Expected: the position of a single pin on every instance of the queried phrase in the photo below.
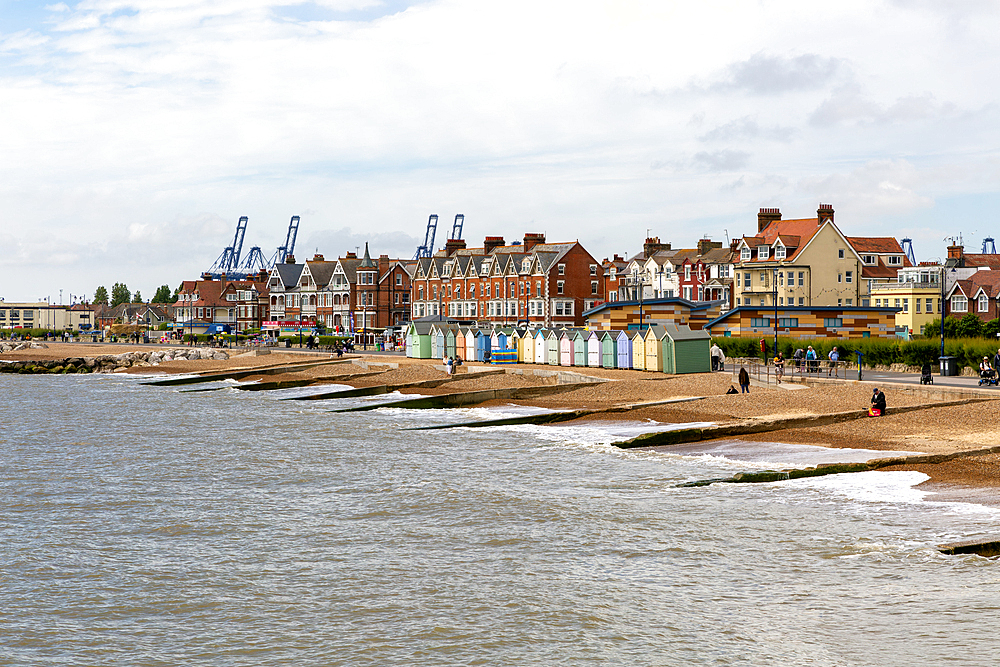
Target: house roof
(692, 305)
(802, 229)
(768, 311)
(875, 244)
(322, 272)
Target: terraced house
(534, 282)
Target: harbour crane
(908, 250)
(427, 249)
(229, 261)
(283, 251)
(989, 247)
(456, 227)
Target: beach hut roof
(684, 332)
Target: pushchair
(925, 374)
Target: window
(868, 259)
(832, 322)
(561, 269)
(840, 302)
(779, 252)
(593, 287)
(746, 280)
(906, 305)
(613, 273)
(399, 279)
(894, 260)
(802, 301)
(745, 254)
(850, 302)
(593, 269)
(878, 303)
(760, 322)
(984, 303)
(916, 302)
(781, 279)
(930, 305)
(746, 301)
(559, 286)
(840, 277)
(781, 301)
(687, 292)
(763, 252)
(959, 304)
(849, 277)
(840, 254)
(420, 293)
(802, 278)
(788, 322)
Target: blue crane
(456, 228)
(908, 250)
(989, 247)
(427, 249)
(229, 261)
(283, 251)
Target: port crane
(228, 264)
(427, 249)
(283, 251)
(456, 227)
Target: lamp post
(775, 298)
(943, 275)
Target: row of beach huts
(666, 348)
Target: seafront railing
(767, 373)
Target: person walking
(834, 357)
(811, 360)
(744, 378)
(996, 360)
(779, 367)
(716, 353)
(799, 358)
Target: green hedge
(877, 351)
(34, 333)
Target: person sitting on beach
(449, 366)
(878, 401)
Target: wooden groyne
(764, 476)
(239, 374)
(989, 548)
(466, 398)
(287, 384)
(552, 417)
(684, 436)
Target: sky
(135, 134)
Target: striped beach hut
(418, 340)
(484, 345)
(609, 349)
(552, 347)
(653, 342)
(526, 347)
(639, 349)
(541, 346)
(686, 351)
(623, 346)
(579, 347)
(594, 350)
(566, 348)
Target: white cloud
(141, 132)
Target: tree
(162, 295)
(137, 297)
(101, 296)
(969, 326)
(120, 294)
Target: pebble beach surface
(935, 430)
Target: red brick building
(241, 304)
(534, 282)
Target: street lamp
(775, 299)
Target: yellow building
(42, 315)
(808, 262)
(916, 296)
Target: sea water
(142, 525)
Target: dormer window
(894, 260)
(868, 259)
(745, 254)
(525, 265)
(779, 251)
(763, 252)
(447, 269)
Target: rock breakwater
(105, 363)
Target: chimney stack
(451, 245)
(956, 252)
(704, 245)
(531, 240)
(653, 246)
(383, 263)
(289, 259)
(824, 213)
(493, 242)
(318, 257)
(766, 216)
